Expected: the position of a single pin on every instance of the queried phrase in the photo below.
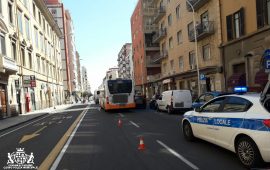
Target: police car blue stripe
(252, 124)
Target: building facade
(79, 75)
(58, 11)
(246, 35)
(125, 62)
(30, 58)
(144, 51)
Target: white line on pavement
(121, 114)
(134, 124)
(59, 157)
(178, 155)
(22, 127)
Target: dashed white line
(23, 126)
(178, 155)
(134, 124)
(121, 114)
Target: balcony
(203, 30)
(196, 4)
(153, 78)
(157, 59)
(153, 2)
(7, 65)
(149, 11)
(149, 28)
(151, 46)
(161, 12)
(162, 33)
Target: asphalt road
(85, 137)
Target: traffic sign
(267, 59)
(202, 77)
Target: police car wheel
(248, 152)
(187, 130)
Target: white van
(173, 100)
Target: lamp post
(196, 47)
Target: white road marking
(61, 154)
(22, 127)
(134, 124)
(178, 155)
(121, 114)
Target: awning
(237, 79)
(261, 77)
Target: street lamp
(196, 48)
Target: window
(23, 56)
(235, 25)
(44, 66)
(213, 106)
(25, 2)
(13, 52)
(171, 42)
(177, 12)
(0, 6)
(34, 10)
(20, 21)
(36, 37)
(2, 45)
(164, 68)
(206, 52)
(263, 13)
(179, 37)
(41, 41)
(27, 28)
(38, 64)
(172, 64)
(192, 62)
(236, 104)
(170, 20)
(30, 60)
(10, 13)
(181, 63)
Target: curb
(6, 128)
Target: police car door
(204, 119)
(231, 116)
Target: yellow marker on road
(28, 137)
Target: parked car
(140, 101)
(153, 101)
(175, 100)
(239, 123)
(205, 97)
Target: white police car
(239, 123)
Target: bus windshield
(119, 86)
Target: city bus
(117, 94)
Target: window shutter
(260, 13)
(229, 27)
(242, 22)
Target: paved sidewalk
(13, 121)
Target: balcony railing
(149, 11)
(153, 2)
(149, 28)
(153, 78)
(203, 30)
(162, 33)
(196, 4)
(152, 46)
(157, 59)
(7, 64)
(161, 11)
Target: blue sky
(101, 27)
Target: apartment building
(58, 11)
(145, 52)
(30, 58)
(84, 79)
(246, 35)
(125, 61)
(79, 75)
(189, 46)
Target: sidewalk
(13, 121)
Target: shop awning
(261, 77)
(237, 79)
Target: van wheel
(188, 133)
(248, 152)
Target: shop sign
(33, 81)
(29, 81)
